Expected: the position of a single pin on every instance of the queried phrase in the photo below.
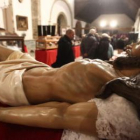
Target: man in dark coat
(89, 44)
(65, 53)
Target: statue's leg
(80, 117)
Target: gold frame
(22, 23)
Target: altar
(46, 49)
(48, 56)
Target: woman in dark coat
(104, 50)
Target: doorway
(61, 24)
(78, 29)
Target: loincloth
(11, 71)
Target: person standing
(89, 44)
(65, 53)
(105, 49)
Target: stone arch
(61, 23)
(78, 29)
(87, 28)
(68, 6)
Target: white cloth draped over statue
(117, 120)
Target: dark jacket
(65, 53)
(88, 46)
(104, 50)
(120, 44)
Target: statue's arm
(80, 117)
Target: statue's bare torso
(75, 82)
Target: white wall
(9, 21)
(1, 19)
(49, 14)
(51, 9)
(23, 9)
(45, 7)
(137, 24)
(61, 7)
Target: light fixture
(113, 23)
(4, 4)
(103, 23)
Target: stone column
(36, 15)
(9, 18)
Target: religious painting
(22, 23)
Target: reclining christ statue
(64, 93)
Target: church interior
(51, 18)
(35, 27)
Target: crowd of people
(95, 46)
